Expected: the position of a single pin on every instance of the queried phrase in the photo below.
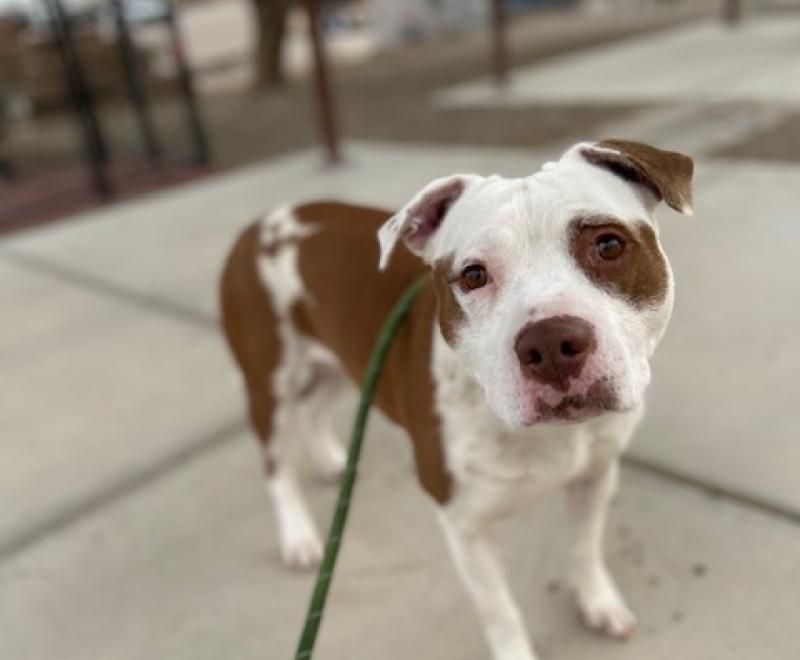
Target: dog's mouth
(599, 398)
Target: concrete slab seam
(137, 480)
(119, 293)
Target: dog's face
(553, 289)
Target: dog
(521, 367)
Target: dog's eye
(473, 277)
(610, 246)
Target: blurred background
(138, 136)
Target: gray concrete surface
(188, 568)
(706, 62)
(94, 388)
(722, 405)
(135, 523)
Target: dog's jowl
(522, 366)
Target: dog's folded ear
(418, 220)
(666, 174)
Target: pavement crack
(766, 507)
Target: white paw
(301, 547)
(605, 612)
(301, 551)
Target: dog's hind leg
(314, 409)
(299, 540)
(263, 345)
(300, 543)
(271, 414)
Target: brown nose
(554, 350)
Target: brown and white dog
(522, 365)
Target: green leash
(317, 605)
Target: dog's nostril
(568, 349)
(536, 357)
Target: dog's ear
(666, 174)
(418, 220)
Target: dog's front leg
(599, 601)
(474, 554)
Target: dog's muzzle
(553, 351)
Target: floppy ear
(418, 220)
(667, 174)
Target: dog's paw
(301, 552)
(606, 613)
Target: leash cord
(316, 606)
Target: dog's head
(553, 289)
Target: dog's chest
(510, 469)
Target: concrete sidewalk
(703, 62)
(135, 523)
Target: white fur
(279, 271)
(599, 601)
(301, 547)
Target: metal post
(80, 94)
(186, 82)
(327, 115)
(136, 88)
(499, 42)
(7, 169)
(732, 11)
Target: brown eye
(610, 247)
(473, 277)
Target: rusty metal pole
(732, 11)
(325, 108)
(499, 42)
(202, 147)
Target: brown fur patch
(668, 174)
(640, 276)
(250, 327)
(450, 314)
(348, 300)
